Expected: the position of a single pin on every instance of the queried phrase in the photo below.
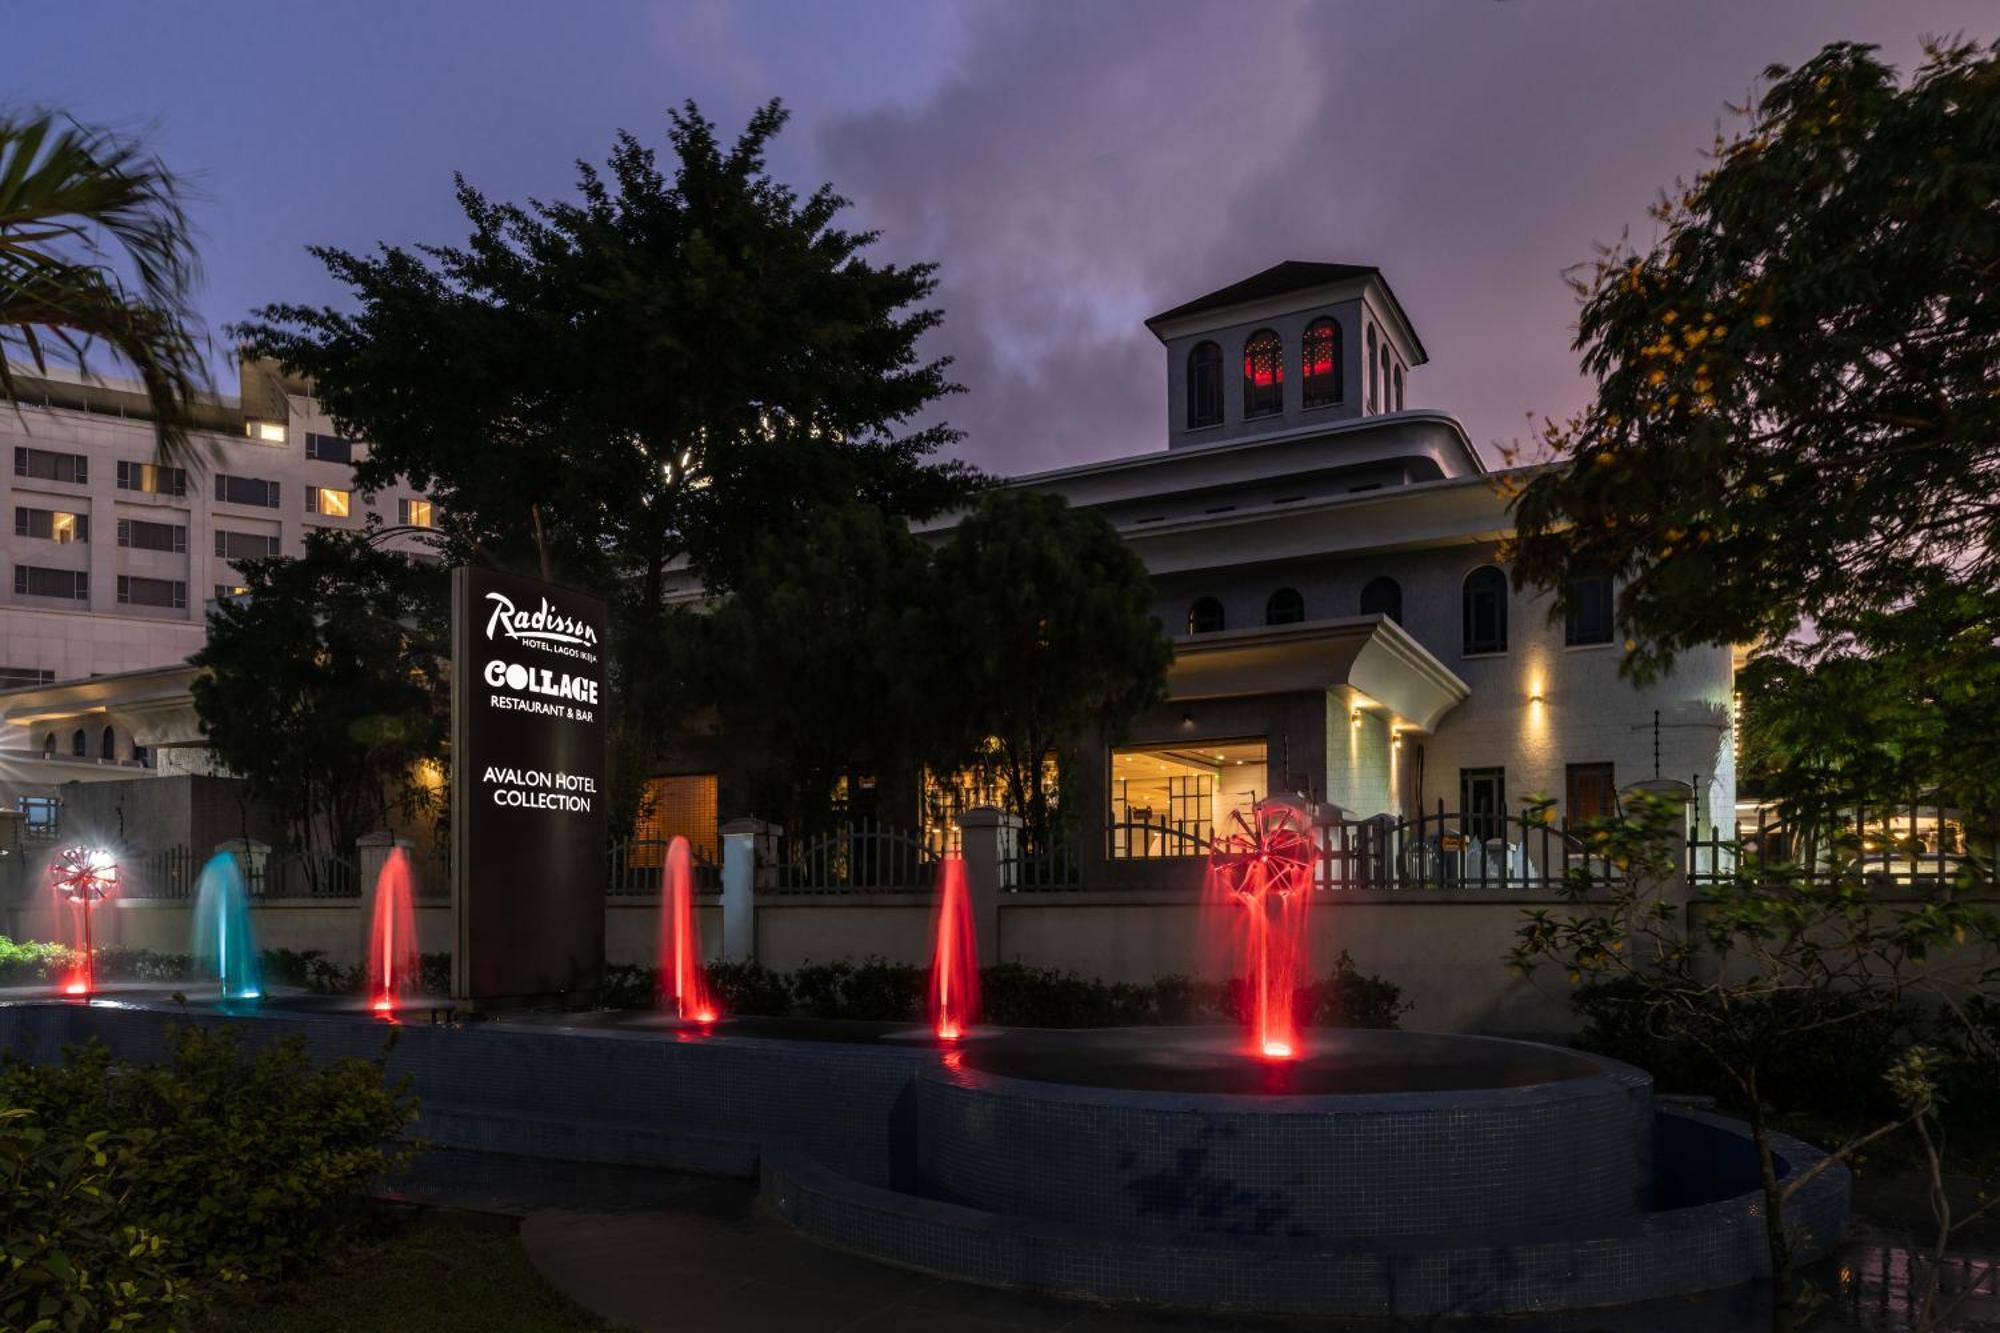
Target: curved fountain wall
(1348, 1204)
(1342, 1167)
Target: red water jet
(954, 987)
(393, 965)
(683, 984)
(1260, 881)
(80, 877)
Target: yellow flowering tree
(1795, 437)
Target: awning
(1371, 656)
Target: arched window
(1382, 597)
(1204, 386)
(1374, 372)
(1284, 607)
(1399, 388)
(107, 744)
(1263, 374)
(1205, 616)
(79, 744)
(1387, 406)
(1319, 363)
(1486, 611)
(48, 745)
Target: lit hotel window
(417, 514)
(268, 432)
(326, 500)
(1172, 800)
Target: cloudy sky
(1073, 165)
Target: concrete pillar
(749, 862)
(990, 842)
(371, 853)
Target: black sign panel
(527, 822)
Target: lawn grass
(441, 1272)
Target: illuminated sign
(527, 822)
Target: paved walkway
(656, 1251)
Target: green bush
(750, 988)
(1829, 1057)
(30, 962)
(224, 1166)
(1014, 995)
(70, 1258)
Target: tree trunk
(541, 543)
(1782, 1313)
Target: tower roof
(1293, 275)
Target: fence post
(749, 860)
(371, 853)
(990, 842)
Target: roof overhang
(126, 694)
(1368, 656)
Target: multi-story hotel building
(113, 554)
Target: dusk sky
(1073, 167)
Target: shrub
(69, 1257)
(31, 961)
(1828, 1052)
(629, 987)
(1015, 995)
(750, 988)
(228, 1166)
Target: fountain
(223, 944)
(80, 877)
(954, 982)
(393, 962)
(683, 985)
(1259, 882)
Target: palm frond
(76, 204)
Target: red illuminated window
(1319, 360)
(1263, 374)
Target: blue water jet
(223, 944)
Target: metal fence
(171, 874)
(1477, 851)
(167, 874)
(301, 875)
(1911, 846)
(860, 856)
(634, 867)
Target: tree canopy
(75, 202)
(1795, 438)
(327, 686)
(1045, 639)
(642, 374)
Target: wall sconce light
(1396, 739)
(1187, 719)
(1354, 717)
(1536, 698)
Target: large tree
(1795, 438)
(326, 687)
(95, 249)
(1044, 639)
(814, 663)
(648, 372)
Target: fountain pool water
(954, 980)
(683, 984)
(223, 944)
(393, 961)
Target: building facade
(112, 557)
